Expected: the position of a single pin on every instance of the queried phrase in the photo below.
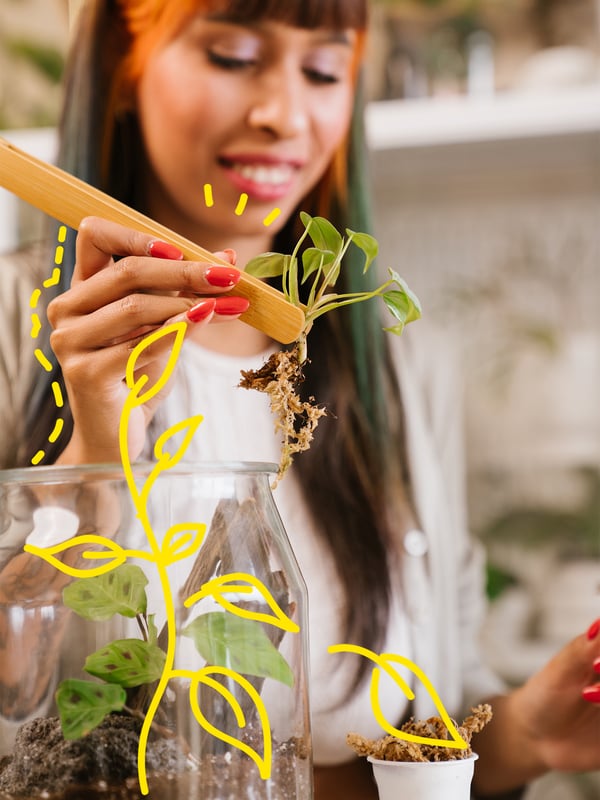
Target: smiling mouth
(268, 175)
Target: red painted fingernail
(591, 694)
(201, 310)
(222, 276)
(229, 306)
(593, 630)
(158, 249)
(596, 665)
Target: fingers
(98, 240)
(148, 266)
(591, 693)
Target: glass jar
(152, 636)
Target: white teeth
(273, 176)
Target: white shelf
(397, 124)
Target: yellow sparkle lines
(270, 218)
(241, 206)
(36, 327)
(383, 662)
(209, 202)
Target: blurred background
(483, 123)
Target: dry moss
(390, 748)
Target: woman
(257, 96)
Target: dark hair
(355, 471)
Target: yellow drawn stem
(140, 503)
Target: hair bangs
(310, 14)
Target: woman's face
(254, 110)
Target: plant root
(280, 378)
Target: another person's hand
(111, 305)
(560, 706)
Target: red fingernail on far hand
(201, 310)
(591, 694)
(593, 630)
(158, 249)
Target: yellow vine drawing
(179, 542)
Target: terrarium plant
(317, 266)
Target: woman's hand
(551, 723)
(110, 307)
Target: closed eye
(229, 62)
(315, 76)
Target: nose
(280, 105)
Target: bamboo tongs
(69, 200)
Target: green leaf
(128, 662)
(323, 234)
(267, 265)
(152, 629)
(239, 644)
(368, 244)
(414, 304)
(121, 591)
(82, 705)
(313, 259)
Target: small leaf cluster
(319, 265)
(122, 664)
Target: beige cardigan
(20, 275)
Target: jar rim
(78, 472)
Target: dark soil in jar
(103, 766)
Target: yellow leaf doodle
(217, 588)
(177, 329)
(203, 677)
(182, 540)
(383, 661)
(112, 553)
(190, 426)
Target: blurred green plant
(48, 60)
(574, 533)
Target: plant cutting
(317, 266)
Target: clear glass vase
(152, 636)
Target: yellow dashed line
(43, 360)
(53, 279)
(58, 398)
(36, 326)
(58, 426)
